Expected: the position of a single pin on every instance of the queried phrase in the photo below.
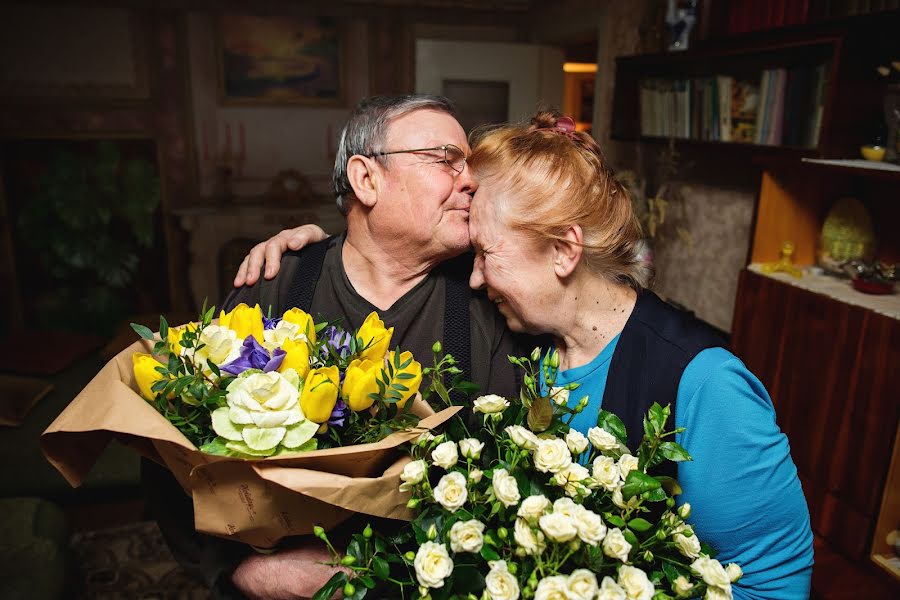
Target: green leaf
(143, 331)
(669, 484)
(366, 581)
(638, 482)
(613, 424)
(630, 537)
(163, 328)
(336, 582)
(614, 520)
(540, 415)
(657, 495)
(216, 447)
(674, 452)
(639, 525)
(441, 391)
(488, 553)
(381, 567)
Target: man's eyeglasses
(454, 157)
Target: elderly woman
(556, 245)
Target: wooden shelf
(889, 517)
(791, 152)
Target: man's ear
(364, 175)
(567, 251)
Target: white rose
(433, 565)
(451, 492)
(522, 437)
(475, 475)
(635, 582)
(471, 448)
(606, 473)
(582, 585)
(602, 439)
(285, 330)
(444, 455)
(560, 395)
(220, 345)
(571, 479)
(576, 442)
(558, 527)
(682, 586)
(491, 403)
(627, 464)
(500, 584)
(615, 545)
(527, 539)
(533, 507)
(717, 593)
(610, 590)
(552, 588)
(734, 572)
(505, 488)
(687, 545)
(551, 456)
(413, 473)
(711, 571)
(425, 439)
(566, 506)
(467, 536)
(590, 527)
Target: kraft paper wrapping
(253, 501)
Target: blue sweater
(746, 500)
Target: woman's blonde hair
(555, 177)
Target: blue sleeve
(746, 500)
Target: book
(724, 84)
(744, 109)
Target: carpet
(131, 562)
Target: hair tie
(564, 126)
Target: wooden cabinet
(829, 356)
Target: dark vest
(654, 348)
(457, 332)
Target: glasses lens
(456, 158)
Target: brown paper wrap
(253, 501)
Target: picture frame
(281, 60)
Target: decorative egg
(847, 234)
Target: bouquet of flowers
(254, 386)
(528, 507)
(271, 425)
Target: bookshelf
(816, 86)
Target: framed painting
(280, 60)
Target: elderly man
(402, 181)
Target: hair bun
(545, 119)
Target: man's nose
(466, 180)
(476, 280)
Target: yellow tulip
(175, 335)
(296, 357)
(145, 373)
(414, 368)
(304, 321)
(375, 338)
(319, 395)
(360, 380)
(244, 321)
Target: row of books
(758, 15)
(783, 107)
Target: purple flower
(254, 356)
(271, 323)
(338, 414)
(337, 339)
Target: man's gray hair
(365, 133)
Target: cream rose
(451, 492)
(635, 582)
(582, 585)
(610, 590)
(590, 526)
(615, 545)
(444, 455)
(734, 572)
(490, 404)
(433, 565)
(471, 448)
(552, 456)
(688, 545)
(572, 479)
(576, 442)
(467, 536)
(682, 587)
(717, 593)
(602, 439)
(606, 473)
(554, 587)
(475, 475)
(560, 395)
(499, 583)
(533, 507)
(529, 540)
(413, 473)
(285, 330)
(566, 506)
(522, 437)
(220, 345)
(558, 527)
(505, 488)
(627, 463)
(712, 572)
